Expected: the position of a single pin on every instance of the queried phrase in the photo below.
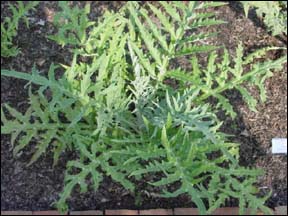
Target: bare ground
(37, 187)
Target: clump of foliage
(72, 24)
(117, 113)
(273, 13)
(9, 27)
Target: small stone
(49, 14)
(245, 133)
(103, 200)
(40, 62)
(40, 22)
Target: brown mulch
(37, 187)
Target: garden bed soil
(36, 187)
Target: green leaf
(114, 110)
(144, 61)
(176, 193)
(103, 73)
(3, 117)
(180, 75)
(36, 106)
(164, 138)
(211, 4)
(195, 49)
(169, 121)
(37, 79)
(164, 21)
(155, 30)
(196, 37)
(225, 104)
(19, 116)
(118, 176)
(152, 167)
(147, 38)
(168, 180)
(24, 141)
(252, 103)
(43, 145)
(58, 149)
(146, 122)
(246, 7)
(171, 10)
(194, 193)
(204, 22)
(97, 178)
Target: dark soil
(37, 187)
